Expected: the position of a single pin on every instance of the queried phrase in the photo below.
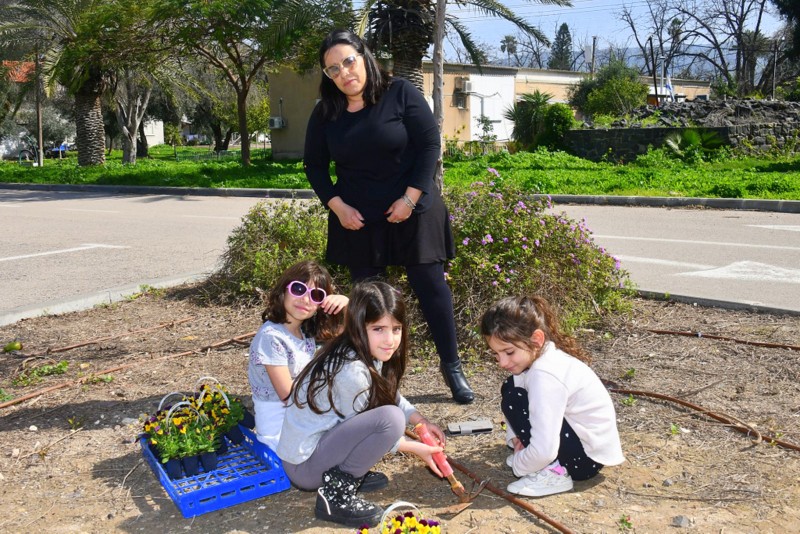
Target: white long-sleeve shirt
(562, 387)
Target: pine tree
(561, 51)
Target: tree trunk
(89, 133)
(438, 84)
(142, 147)
(410, 69)
(131, 102)
(241, 111)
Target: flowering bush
(508, 243)
(406, 524)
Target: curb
(750, 204)
(90, 300)
(713, 303)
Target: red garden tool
(465, 498)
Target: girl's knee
(391, 419)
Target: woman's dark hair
(514, 319)
(333, 102)
(322, 326)
(369, 303)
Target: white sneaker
(510, 460)
(541, 483)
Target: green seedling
(674, 429)
(35, 375)
(97, 379)
(5, 396)
(75, 422)
(630, 400)
(629, 374)
(624, 523)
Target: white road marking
(667, 263)
(85, 246)
(4, 205)
(789, 227)
(751, 271)
(693, 242)
(90, 211)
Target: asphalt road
(63, 251)
(747, 257)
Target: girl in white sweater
(560, 418)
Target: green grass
(654, 174)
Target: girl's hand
(518, 446)
(398, 212)
(425, 452)
(349, 217)
(333, 304)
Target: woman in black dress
(385, 208)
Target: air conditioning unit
(276, 123)
(466, 86)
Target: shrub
(272, 237)
(507, 244)
(558, 120)
(528, 116)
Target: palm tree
(405, 28)
(54, 29)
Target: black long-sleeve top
(378, 152)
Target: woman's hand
(333, 304)
(398, 212)
(349, 217)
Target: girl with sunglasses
(561, 420)
(385, 207)
(347, 411)
(301, 311)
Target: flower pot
(209, 461)
(223, 446)
(173, 468)
(191, 465)
(248, 421)
(234, 434)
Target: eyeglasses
(348, 63)
(299, 289)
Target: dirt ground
(70, 462)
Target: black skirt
(425, 237)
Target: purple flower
(488, 238)
(466, 241)
(536, 242)
(497, 268)
(494, 283)
(524, 238)
(505, 240)
(524, 247)
(541, 221)
(493, 171)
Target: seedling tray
(246, 472)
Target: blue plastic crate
(246, 472)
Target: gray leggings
(355, 445)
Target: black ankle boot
(337, 501)
(457, 382)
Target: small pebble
(15, 453)
(33, 428)
(668, 482)
(681, 521)
(129, 421)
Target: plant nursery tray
(246, 472)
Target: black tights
(514, 403)
(435, 300)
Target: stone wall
(749, 125)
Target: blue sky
(585, 19)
